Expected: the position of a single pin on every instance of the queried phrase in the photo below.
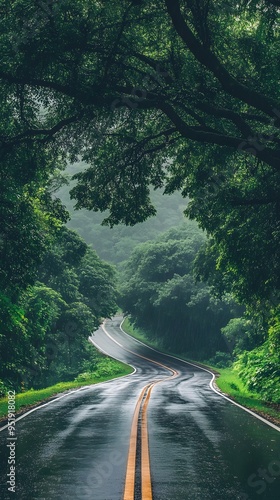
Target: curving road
(160, 433)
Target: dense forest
(54, 291)
(167, 95)
(159, 290)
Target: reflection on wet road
(201, 446)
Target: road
(159, 433)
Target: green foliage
(260, 370)
(274, 330)
(243, 334)
(220, 359)
(160, 293)
(46, 312)
(84, 290)
(43, 336)
(105, 367)
(116, 244)
(97, 284)
(242, 254)
(231, 383)
(26, 231)
(13, 341)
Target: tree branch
(234, 117)
(6, 142)
(208, 59)
(269, 156)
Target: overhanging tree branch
(209, 60)
(43, 133)
(268, 155)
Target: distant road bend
(161, 433)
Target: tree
(243, 335)
(167, 93)
(183, 41)
(44, 332)
(13, 343)
(97, 285)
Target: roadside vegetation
(106, 369)
(45, 322)
(227, 379)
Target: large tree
(176, 93)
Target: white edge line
(277, 428)
(106, 353)
(84, 387)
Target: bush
(260, 371)
(104, 367)
(83, 377)
(221, 360)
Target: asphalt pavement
(201, 446)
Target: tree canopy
(115, 244)
(173, 94)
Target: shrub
(221, 360)
(260, 371)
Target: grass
(32, 397)
(140, 335)
(227, 380)
(230, 383)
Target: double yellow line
(141, 408)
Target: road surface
(160, 433)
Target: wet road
(201, 446)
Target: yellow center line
(131, 462)
(146, 482)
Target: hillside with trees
(160, 293)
